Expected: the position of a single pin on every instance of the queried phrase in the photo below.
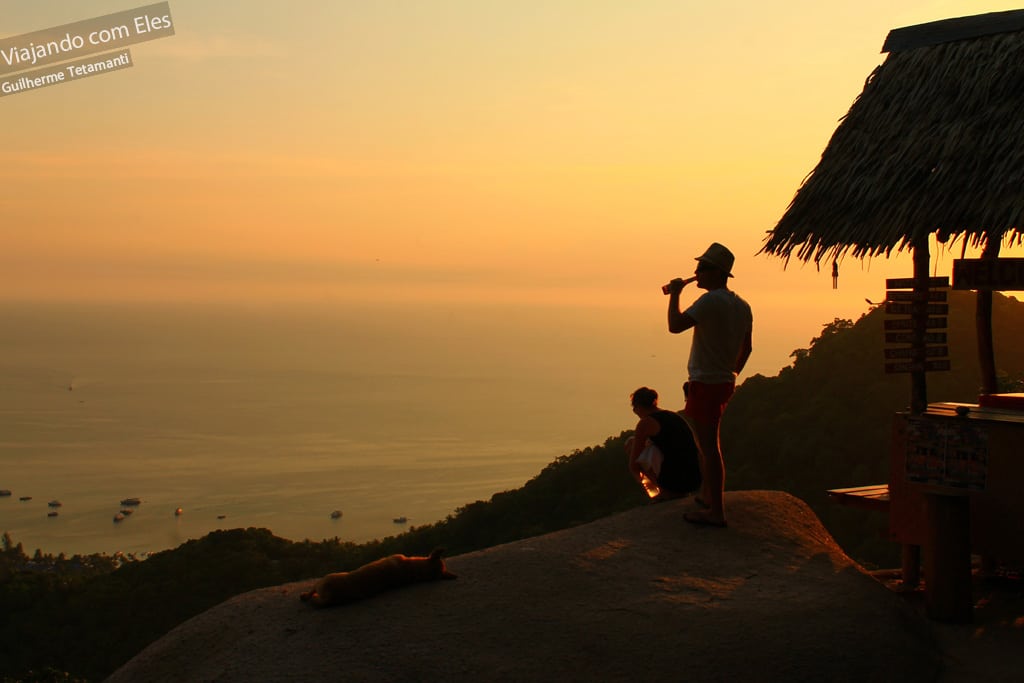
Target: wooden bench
(874, 497)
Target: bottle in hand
(649, 485)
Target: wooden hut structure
(934, 145)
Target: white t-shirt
(723, 321)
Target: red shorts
(705, 403)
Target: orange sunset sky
(537, 152)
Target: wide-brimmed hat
(718, 257)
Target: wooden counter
(957, 487)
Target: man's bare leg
(713, 474)
(702, 493)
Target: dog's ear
(439, 565)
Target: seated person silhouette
(663, 456)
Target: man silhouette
(722, 326)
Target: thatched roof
(934, 143)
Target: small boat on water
(400, 520)
(221, 516)
(178, 512)
(51, 513)
(55, 503)
(336, 514)
(119, 517)
(131, 501)
(127, 511)
(4, 492)
(25, 498)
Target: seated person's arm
(645, 429)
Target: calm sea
(275, 418)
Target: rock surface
(638, 596)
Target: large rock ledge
(639, 596)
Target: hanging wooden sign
(1000, 274)
(908, 323)
(911, 366)
(908, 282)
(908, 337)
(928, 309)
(899, 308)
(930, 295)
(908, 352)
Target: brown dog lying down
(376, 577)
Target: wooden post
(983, 325)
(986, 351)
(919, 318)
(911, 565)
(947, 558)
(911, 559)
